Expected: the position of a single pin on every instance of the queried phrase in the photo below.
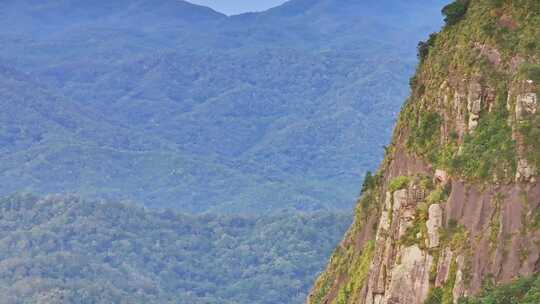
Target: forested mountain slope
(455, 205)
(179, 106)
(61, 249)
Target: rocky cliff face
(456, 202)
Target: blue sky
(231, 7)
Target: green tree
(455, 11)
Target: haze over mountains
(235, 7)
(175, 105)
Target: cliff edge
(455, 203)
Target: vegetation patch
(368, 193)
(347, 261)
(323, 285)
(489, 150)
(438, 195)
(521, 291)
(435, 296)
(448, 288)
(454, 12)
(495, 222)
(530, 129)
(417, 233)
(424, 46)
(357, 275)
(398, 183)
(536, 219)
(425, 134)
(531, 72)
(454, 235)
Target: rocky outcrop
(434, 224)
(525, 171)
(457, 199)
(398, 272)
(474, 104)
(409, 280)
(443, 267)
(441, 177)
(474, 233)
(526, 105)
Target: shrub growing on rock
(398, 183)
(455, 11)
(423, 46)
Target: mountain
(61, 249)
(46, 19)
(454, 210)
(179, 106)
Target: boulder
(441, 177)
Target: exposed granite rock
(460, 110)
(434, 223)
(400, 199)
(441, 177)
(525, 172)
(459, 285)
(474, 104)
(416, 194)
(526, 104)
(384, 225)
(443, 267)
(403, 212)
(409, 282)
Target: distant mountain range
(175, 105)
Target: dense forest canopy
(61, 249)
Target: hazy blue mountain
(48, 18)
(234, 7)
(61, 249)
(176, 105)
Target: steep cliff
(456, 202)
